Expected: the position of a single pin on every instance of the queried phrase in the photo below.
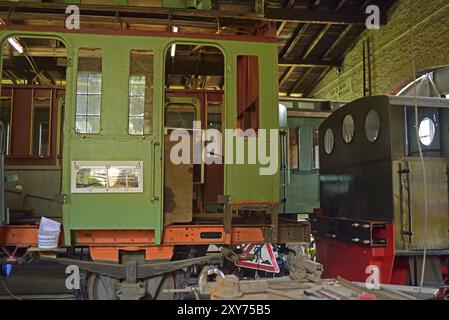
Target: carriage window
(140, 92)
(41, 126)
(214, 115)
(107, 177)
(88, 91)
(294, 135)
(248, 92)
(179, 115)
(33, 81)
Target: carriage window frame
(148, 105)
(78, 94)
(39, 142)
(248, 92)
(106, 166)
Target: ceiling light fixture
(173, 47)
(15, 44)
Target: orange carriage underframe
(105, 245)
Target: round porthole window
(372, 126)
(426, 131)
(348, 129)
(329, 141)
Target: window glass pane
(93, 105)
(94, 84)
(123, 178)
(136, 106)
(140, 92)
(93, 124)
(179, 115)
(135, 125)
(214, 115)
(82, 83)
(137, 86)
(88, 91)
(81, 104)
(91, 178)
(80, 124)
(41, 127)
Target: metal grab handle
(447, 179)
(287, 156)
(406, 171)
(153, 196)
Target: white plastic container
(48, 234)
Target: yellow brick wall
(422, 23)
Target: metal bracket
(131, 271)
(131, 291)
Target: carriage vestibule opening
(194, 101)
(32, 105)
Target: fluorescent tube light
(15, 44)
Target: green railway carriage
(120, 194)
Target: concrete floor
(36, 280)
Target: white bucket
(48, 234)
(48, 240)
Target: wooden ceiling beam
(293, 41)
(317, 17)
(299, 81)
(287, 73)
(314, 4)
(337, 41)
(288, 4)
(308, 63)
(125, 11)
(317, 80)
(134, 13)
(316, 40)
(339, 5)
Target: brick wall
(423, 25)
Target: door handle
(153, 196)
